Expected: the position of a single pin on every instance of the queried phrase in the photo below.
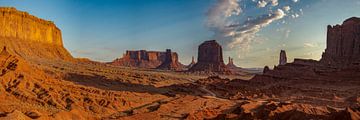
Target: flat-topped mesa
(146, 59)
(210, 59)
(28, 36)
(283, 58)
(343, 43)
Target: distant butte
(149, 59)
(210, 59)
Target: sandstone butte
(30, 37)
(210, 59)
(149, 59)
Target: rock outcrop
(171, 62)
(343, 44)
(283, 58)
(148, 59)
(210, 59)
(192, 63)
(30, 37)
(231, 63)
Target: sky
(252, 32)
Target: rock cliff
(145, 59)
(30, 37)
(343, 43)
(210, 58)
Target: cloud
(310, 45)
(295, 1)
(224, 20)
(286, 8)
(243, 34)
(295, 15)
(218, 15)
(263, 3)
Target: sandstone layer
(148, 59)
(210, 58)
(30, 37)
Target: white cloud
(295, 15)
(286, 8)
(310, 45)
(263, 3)
(218, 15)
(243, 34)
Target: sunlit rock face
(210, 58)
(28, 36)
(343, 43)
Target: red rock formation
(145, 59)
(343, 43)
(30, 37)
(283, 58)
(171, 61)
(192, 62)
(231, 64)
(210, 58)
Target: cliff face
(343, 43)
(148, 59)
(28, 36)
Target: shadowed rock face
(147, 59)
(28, 36)
(283, 58)
(343, 43)
(210, 58)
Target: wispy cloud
(310, 45)
(226, 20)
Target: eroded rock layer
(28, 36)
(148, 59)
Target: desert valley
(40, 79)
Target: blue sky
(104, 29)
